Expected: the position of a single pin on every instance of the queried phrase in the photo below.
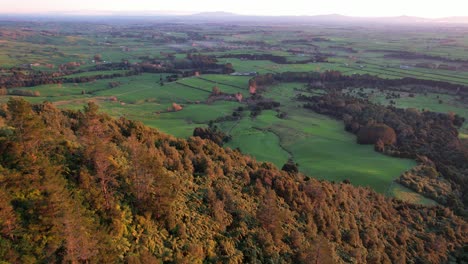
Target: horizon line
(121, 13)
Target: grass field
(319, 144)
(142, 98)
(401, 192)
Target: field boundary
(226, 84)
(193, 87)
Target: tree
(29, 134)
(270, 215)
(228, 68)
(99, 151)
(371, 134)
(97, 58)
(290, 166)
(216, 91)
(320, 252)
(8, 219)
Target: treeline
(202, 64)
(191, 63)
(257, 103)
(197, 63)
(274, 58)
(334, 80)
(343, 48)
(19, 79)
(86, 79)
(418, 56)
(27, 93)
(429, 137)
(303, 42)
(36, 79)
(98, 190)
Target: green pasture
(318, 143)
(401, 192)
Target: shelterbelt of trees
(23, 77)
(18, 77)
(274, 58)
(334, 80)
(80, 187)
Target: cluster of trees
(274, 58)
(92, 78)
(78, 186)
(335, 81)
(257, 103)
(24, 93)
(212, 133)
(426, 179)
(343, 48)
(297, 41)
(405, 133)
(113, 84)
(375, 133)
(122, 65)
(199, 63)
(18, 78)
(408, 55)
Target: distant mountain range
(226, 16)
(336, 18)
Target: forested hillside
(80, 187)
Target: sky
(363, 8)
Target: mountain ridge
(403, 19)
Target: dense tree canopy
(373, 133)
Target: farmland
(165, 75)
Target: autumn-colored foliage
(371, 134)
(80, 187)
(176, 107)
(239, 97)
(216, 90)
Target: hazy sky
(423, 8)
